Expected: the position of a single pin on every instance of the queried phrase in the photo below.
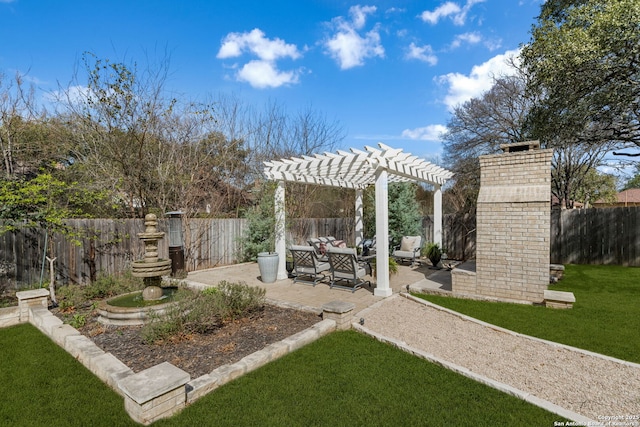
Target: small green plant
(434, 253)
(393, 266)
(78, 320)
(210, 291)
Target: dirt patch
(199, 354)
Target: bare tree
(22, 138)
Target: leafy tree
(42, 202)
(259, 235)
(405, 213)
(634, 181)
(596, 186)
(584, 63)
(405, 218)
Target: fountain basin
(131, 309)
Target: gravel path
(591, 386)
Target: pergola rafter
(357, 170)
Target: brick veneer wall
(513, 225)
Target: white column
(382, 234)
(359, 217)
(280, 236)
(437, 214)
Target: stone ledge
(153, 382)
(226, 373)
(9, 316)
(339, 307)
(111, 370)
(559, 299)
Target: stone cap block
(520, 146)
(559, 296)
(153, 382)
(339, 307)
(33, 293)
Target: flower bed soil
(199, 354)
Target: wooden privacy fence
(587, 236)
(596, 236)
(109, 246)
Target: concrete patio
(286, 292)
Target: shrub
(240, 298)
(76, 296)
(201, 312)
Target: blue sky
(388, 71)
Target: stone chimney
(513, 223)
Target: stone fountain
(151, 268)
(133, 308)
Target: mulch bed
(199, 354)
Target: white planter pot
(268, 264)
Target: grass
(344, 378)
(42, 385)
(604, 318)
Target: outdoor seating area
(339, 266)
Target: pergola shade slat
(357, 168)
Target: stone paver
(285, 292)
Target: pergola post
(359, 229)
(382, 234)
(437, 214)
(280, 236)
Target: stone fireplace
(513, 226)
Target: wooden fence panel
(585, 236)
(596, 236)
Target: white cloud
(264, 72)
(442, 11)
(426, 133)
(449, 9)
(462, 87)
(422, 53)
(468, 38)
(359, 15)
(73, 94)
(347, 46)
(255, 42)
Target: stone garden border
(164, 389)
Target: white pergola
(358, 169)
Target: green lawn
(344, 378)
(605, 317)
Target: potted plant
(433, 251)
(393, 266)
